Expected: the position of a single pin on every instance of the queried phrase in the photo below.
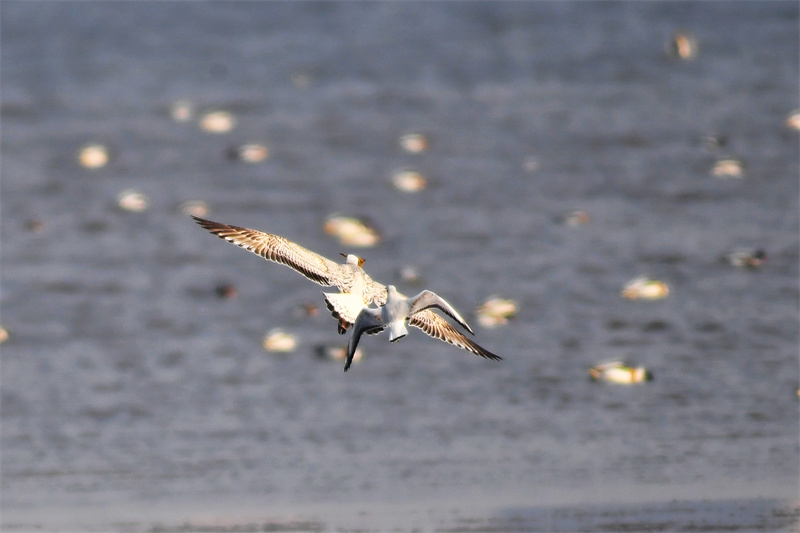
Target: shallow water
(126, 380)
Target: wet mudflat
(136, 391)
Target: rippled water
(135, 398)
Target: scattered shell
(3, 335)
(793, 120)
(218, 122)
(226, 291)
(306, 310)
(645, 289)
(714, 142)
(133, 200)
(278, 340)
(182, 111)
(197, 208)
(410, 275)
(249, 153)
(93, 156)
(573, 218)
(409, 181)
(496, 311)
(728, 168)
(619, 372)
(414, 143)
(310, 309)
(351, 231)
(746, 258)
(35, 225)
(682, 46)
(301, 79)
(337, 353)
(530, 163)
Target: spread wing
(345, 307)
(438, 328)
(428, 299)
(274, 248)
(369, 322)
(377, 292)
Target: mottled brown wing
(377, 293)
(345, 307)
(274, 248)
(438, 328)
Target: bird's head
(352, 259)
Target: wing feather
(279, 250)
(369, 322)
(427, 299)
(438, 328)
(345, 307)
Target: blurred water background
(134, 398)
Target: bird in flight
(357, 290)
(395, 314)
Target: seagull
(399, 310)
(746, 258)
(357, 289)
(619, 372)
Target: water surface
(132, 394)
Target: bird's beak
(360, 259)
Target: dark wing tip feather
(217, 227)
(207, 224)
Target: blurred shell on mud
(351, 231)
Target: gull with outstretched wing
(357, 291)
(416, 311)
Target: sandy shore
(741, 515)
